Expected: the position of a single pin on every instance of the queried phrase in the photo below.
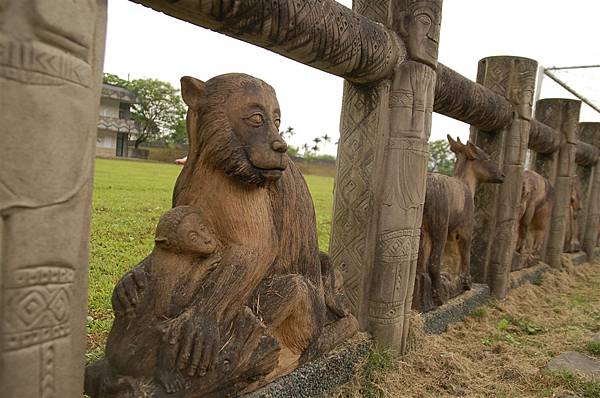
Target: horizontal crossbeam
(586, 154)
(330, 37)
(321, 33)
(470, 102)
(543, 138)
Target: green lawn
(129, 198)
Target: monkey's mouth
(273, 174)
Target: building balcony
(116, 124)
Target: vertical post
(381, 172)
(497, 206)
(559, 167)
(51, 57)
(590, 133)
(363, 134)
(583, 179)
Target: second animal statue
(448, 218)
(537, 201)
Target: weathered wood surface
(443, 267)
(350, 44)
(51, 56)
(235, 292)
(497, 208)
(380, 183)
(470, 102)
(323, 34)
(542, 138)
(586, 154)
(537, 201)
(575, 211)
(559, 168)
(589, 132)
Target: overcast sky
(145, 43)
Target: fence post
(590, 133)
(381, 171)
(497, 206)
(50, 75)
(559, 168)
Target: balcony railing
(116, 124)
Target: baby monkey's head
(184, 229)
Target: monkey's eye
(256, 119)
(277, 122)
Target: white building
(114, 122)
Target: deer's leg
(422, 293)
(538, 222)
(464, 248)
(439, 236)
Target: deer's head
(473, 160)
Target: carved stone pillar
(380, 186)
(497, 206)
(558, 167)
(590, 133)
(51, 55)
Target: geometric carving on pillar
(37, 305)
(590, 133)
(559, 167)
(354, 213)
(497, 207)
(363, 135)
(51, 54)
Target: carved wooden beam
(330, 37)
(323, 34)
(586, 154)
(470, 102)
(543, 138)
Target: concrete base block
(578, 258)
(318, 378)
(528, 275)
(455, 310)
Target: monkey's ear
(162, 241)
(192, 91)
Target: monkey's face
(194, 237)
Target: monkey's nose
(279, 146)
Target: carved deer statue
(537, 201)
(448, 214)
(572, 243)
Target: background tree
(286, 135)
(310, 151)
(160, 111)
(179, 134)
(441, 158)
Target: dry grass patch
(499, 350)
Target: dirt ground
(499, 349)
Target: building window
(124, 112)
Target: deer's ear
(192, 91)
(455, 147)
(471, 151)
